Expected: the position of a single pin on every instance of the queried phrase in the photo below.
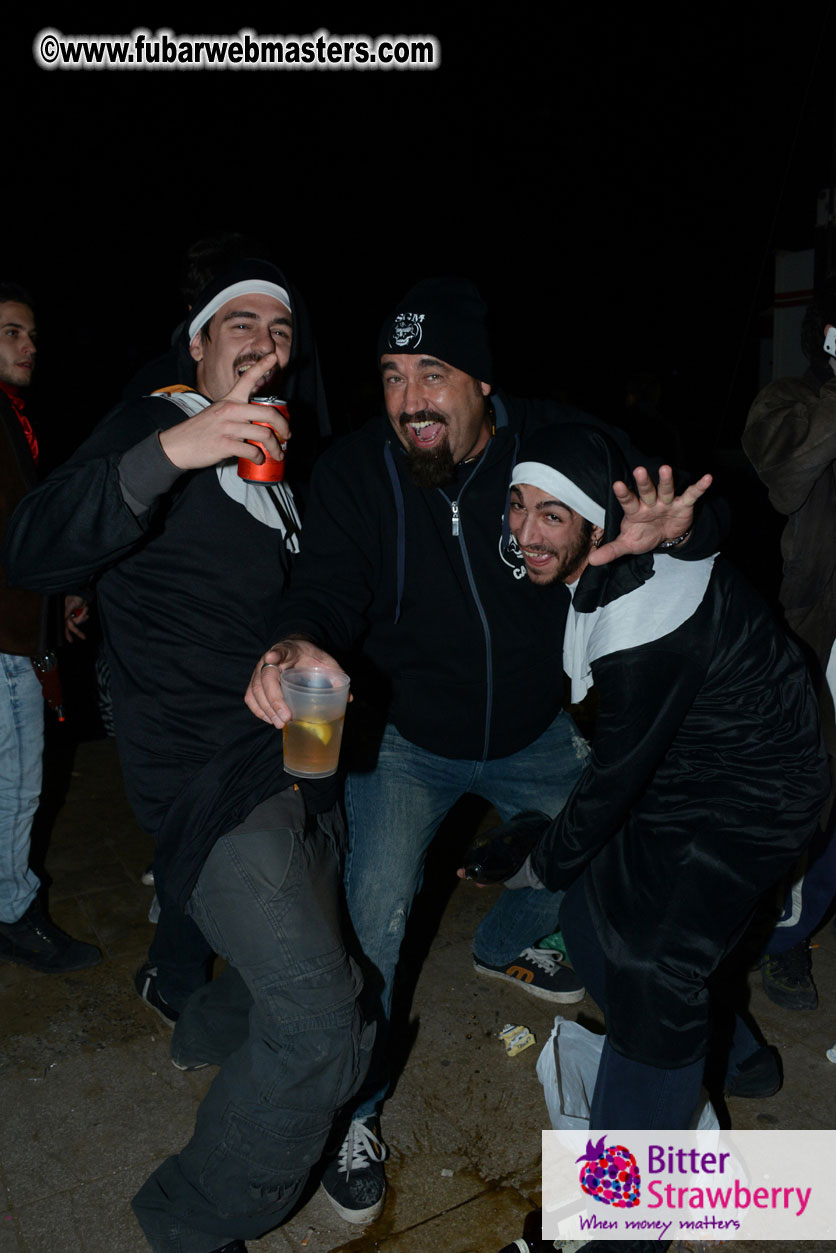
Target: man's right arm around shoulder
(94, 511)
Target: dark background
(615, 182)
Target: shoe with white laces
(354, 1181)
(540, 971)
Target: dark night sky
(610, 180)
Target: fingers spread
(628, 500)
(665, 488)
(693, 493)
(607, 552)
(645, 486)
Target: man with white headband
(706, 778)
(192, 564)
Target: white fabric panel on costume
(830, 672)
(650, 612)
(257, 498)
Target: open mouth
(537, 558)
(249, 365)
(425, 432)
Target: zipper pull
(454, 505)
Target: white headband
(537, 474)
(250, 287)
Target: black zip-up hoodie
(469, 649)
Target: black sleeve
(644, 693)
(77, 523)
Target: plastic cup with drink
(317, 699)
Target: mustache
(423, 415)
(246, 358)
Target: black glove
(499, 856)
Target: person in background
(790, 439)
(28, 936)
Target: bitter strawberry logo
(610, 1175)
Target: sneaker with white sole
(145, 982)
(354, 1181)
(540, 971)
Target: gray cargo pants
(269, 902)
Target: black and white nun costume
(706, 777)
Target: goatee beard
(431, 469)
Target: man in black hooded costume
(706, 777)
(191, 564)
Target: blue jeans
(269, 902)
(21, 754)
(393, 813)
(810, 894)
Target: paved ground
(91, 1103)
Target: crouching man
(706, 777)
(192, 562)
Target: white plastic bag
(568, 1067)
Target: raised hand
(220, 431)
(655, 514)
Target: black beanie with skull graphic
(444, 318)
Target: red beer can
(270, 470)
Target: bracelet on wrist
(673, 543)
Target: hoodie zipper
(456, 531)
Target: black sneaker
(354, 1180)
(787, 978)
(36, 942)
(759, 1076)
(145, 982)
(540, 971)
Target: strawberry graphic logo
(610, 1175)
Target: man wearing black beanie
(404, 550)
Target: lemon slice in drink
(323, 731)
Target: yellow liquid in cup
(312, 748)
